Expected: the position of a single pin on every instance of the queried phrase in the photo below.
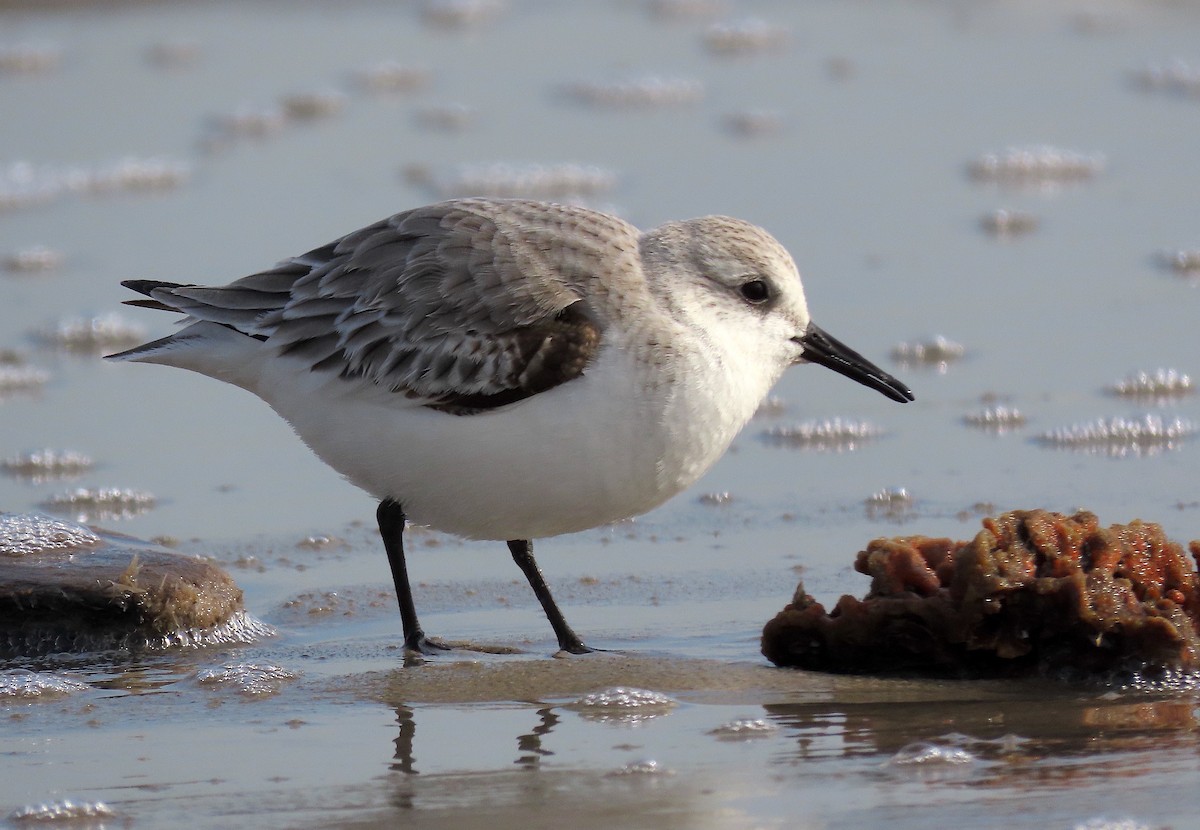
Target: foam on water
(1160, 383)
(1102, 823)
(35, 259)
(91, 335)
(924, 753)
(25, 534)
(647, 767)
(88, 504)
(29, 685)
(744, 36)
(744, 728)
(57, 812)
(938, 351)
(997, 418)
(15, 379)
(46, 464)
(241, 628)
(528, 181)
(645, 92)
(1038, 165)
(250, 679)
(30, 57)
(836, 435)
(623, 705)
(1118, 436)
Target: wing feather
(463, 305)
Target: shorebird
(511, 369)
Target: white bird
(511, 369)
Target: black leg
(522, 554)
(390, 516)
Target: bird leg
(522, 554)
(390, 516)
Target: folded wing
(458, 304)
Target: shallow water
(873, 114)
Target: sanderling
(510, 369)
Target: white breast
(612, 444)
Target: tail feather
(154, 304)
(147, 286)
(144, 350)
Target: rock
(65, 587)
(1034, 592)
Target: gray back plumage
(466, 304)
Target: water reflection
(403, 760)
(1054, 737)
(531, 743)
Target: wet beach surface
(201, 142)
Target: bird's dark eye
(755, 291)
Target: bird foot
(419, 644)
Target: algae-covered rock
(1034, 591)
(65, 587)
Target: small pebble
(754, 123)
(1186, 263)
(174, 55)
(313, 105)
(1009, 223)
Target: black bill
(827, 351)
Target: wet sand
(200, 142)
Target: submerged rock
(1033, 592)
(67, 588)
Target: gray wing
(465, 305)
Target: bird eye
(755, 291)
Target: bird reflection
(532, 742)
(529, 745)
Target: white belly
(595, 450)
